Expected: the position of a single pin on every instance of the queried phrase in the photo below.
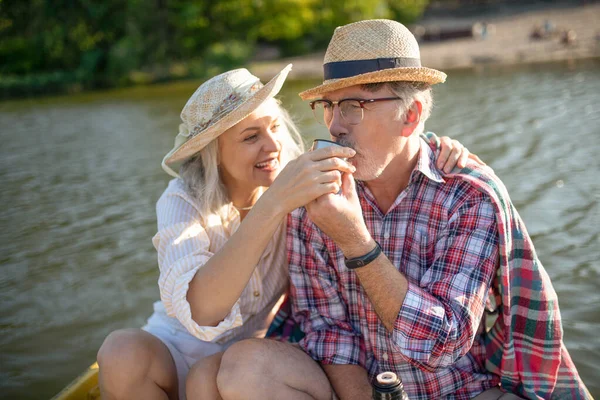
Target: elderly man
(393, 273)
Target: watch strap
(358, 262)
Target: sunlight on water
(81, 175)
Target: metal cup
(321, 144)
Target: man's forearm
(350, 382)
(386, 288)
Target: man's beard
(346, 142)
(366, 170)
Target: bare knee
(244, 365)
(123, 359)
(120, 349)
(201, 381)
(258, 368)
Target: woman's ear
(412, 118)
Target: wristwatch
(358, 262)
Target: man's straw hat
(217, 105)
(372, 51)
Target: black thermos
(388, 386)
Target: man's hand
(307, 178)
(340, 217)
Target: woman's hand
(452, 154)
(308, 177)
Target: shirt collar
(426, 164)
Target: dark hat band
(346, 69)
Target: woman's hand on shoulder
(310, 176)
(453, 154)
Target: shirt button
(386, 234)
(256, 293)
(385, 356)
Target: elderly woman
(221, 236)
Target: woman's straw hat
(217, 105)
(372, 51)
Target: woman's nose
(272, 143)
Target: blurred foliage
(69, 45)
(407, 10)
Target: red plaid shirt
(441, 234)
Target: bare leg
(201, 382)
(264, 369)
(136, 365)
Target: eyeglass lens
(351, 111)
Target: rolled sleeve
(439, 317)
(316, 302)
(183, 248)
(183, 312)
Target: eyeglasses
(352, 110)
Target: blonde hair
(201, 173)
(408, 92)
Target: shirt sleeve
(183, 248)
(316, 303)
(439, 317)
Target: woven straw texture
(373, 39)
(366, 40)
(217, 105)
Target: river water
(80, 176)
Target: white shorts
(185, 348)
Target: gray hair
(408, 92)
(201, 172)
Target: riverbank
(503, 37)
(508, 42)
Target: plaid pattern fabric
(442, 235)
(525, 345)
(436, 347)
(284, 328)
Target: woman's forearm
(219, 283)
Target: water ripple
(81, 177)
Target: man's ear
(412, 117)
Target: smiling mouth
(269, 165)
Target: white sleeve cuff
(183, 312)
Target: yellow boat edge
(84, 387)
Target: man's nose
(336, 125)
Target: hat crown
(216, 97)
(371, 39)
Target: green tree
(103, 43)
(407, 11)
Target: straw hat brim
(199, 141)
(413, 74)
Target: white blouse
(186, 240)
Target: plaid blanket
(284, 328)
(525, 345)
